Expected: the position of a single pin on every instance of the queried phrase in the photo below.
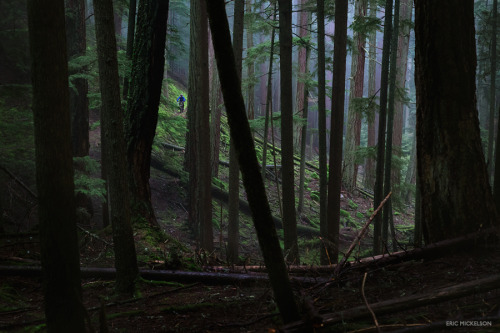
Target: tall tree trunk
(353, 133)
(337, 125)
(323, 175)
(198, 137)
(493, 72)
(254, 185)
(130, 43)
(250, 69)
(234, 170)
(379, 171)
(78, 101)
(300, 99)
(142, 109)
(369, 177)
(288, 174)
(113, 149)
(390, 125)
(269, 103)
(54, 168)
(496, 183)
(449, 143)
(411, 173)
(303, 141)
(401, 66)
(215, 110)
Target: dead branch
(360, 236)
(94, 236)
(17, 180)
(368, 305)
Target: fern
(85, 183)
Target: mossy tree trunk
(456, 195)
(353, 133)
(401, 66)
(113, 150)
(254, 185)
(60, 258)
(144, 98)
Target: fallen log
(431, 251)
(401, 304)
(209, 278)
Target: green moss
(352, 204)
(344, 213)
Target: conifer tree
(449, 152)
(113, 150)
(143, 102)
(288, 174)
(337, 125)
(379, 170)
(254, 185)
(60, 258)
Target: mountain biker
(181, 99)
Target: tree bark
(300, 98)
(113, 149)
(337, 126)
(493, 75)
(241, 134)
(234, 170)
(323, 181)
(496, 183)
(130, 43)
(448, 140)
(387, 217)
(379, 170)
(198, 137)
(142, 109)
(353, 133)
(250, 69)
(303, 141)
(401, 65)
(369, 177)
(54, 168)
(288, 173)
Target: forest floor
(215, 306)
(196, 304)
